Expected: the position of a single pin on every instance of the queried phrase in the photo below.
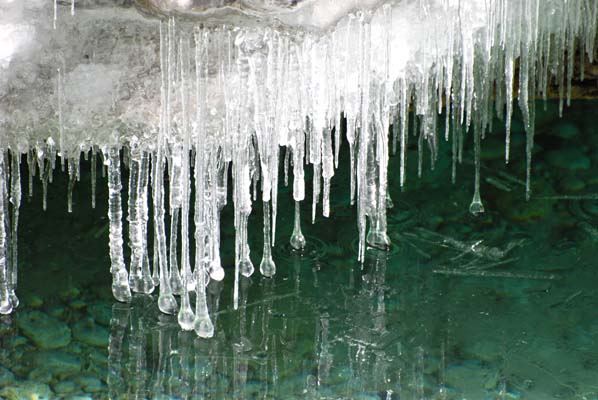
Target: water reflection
(290, 343)
(392, 328)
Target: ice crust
(194, 96)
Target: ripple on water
(585, 209)
(315, 249)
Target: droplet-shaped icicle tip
(167, 304)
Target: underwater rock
(33, 300)
(64, 387)
(101, 313)
(40, 375)
(565, 130)
(60, 363)
(88, 332)
(572, 184)
(90, 384)
(69, 293)
(45, 331)
(19, 341)
(6, 377)
(77, 304)
(485, 350)
(570, 158)
(467, 378)
(27, 390)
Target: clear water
(497, 306)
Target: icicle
(60, 100)
(15, 199)
(120, 277)
(246, 267)
(186, 318)
(476, 206)
(166, 301)
(93, 177)
(45, 174)
(55, 14)
(202, 324)
(6, 305)
(267, 266)
(155, 261)
(364, 134)
(286, 161)
(216, 270)
(509, 94)
(297, 238)
(174, 274)
(404, 120)
(73, 8)
(32, 170)
(73, 166)
(140, 277)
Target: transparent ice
(202, 101)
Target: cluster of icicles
(242, 104)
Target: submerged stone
(60, 363)
(101, 313)
(6, 377)
(65, 387)
(90, 384)
(570, 158)
(565, 130)
(90, 333)
(27, 390)
(45, 331)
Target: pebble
(569, 158)
(88, 332)
(467, 378)
(101, 313)
(19, 341)
(40, 375)
(27, 390)
(90, 384)
(572, 184)
(99, 358)
(45, 331)
(64, 387)
(57, 311)
(33, 300)
(60, 363)
(486, 350)
(69, 293)
(565, 130)
(77, 304)
(6, 376)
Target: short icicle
(297, 239)
(476, 206)
(267, 266)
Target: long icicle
(120, 276)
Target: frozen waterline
(187, 105)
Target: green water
(499, 306)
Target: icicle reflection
(212, 107)
(267, 336)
